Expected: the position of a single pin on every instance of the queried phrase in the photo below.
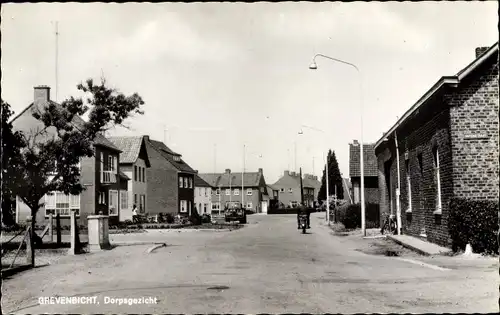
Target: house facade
(170, 185)
(202, 195)
(288, 187)
(133, 162)
(447, 146)
(370, 171)
(100, 174)
(228, 190)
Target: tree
(11, 144)
(334, 178)
(49, 160)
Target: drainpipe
(398, 190)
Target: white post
(362, 166)
(72, 250)
(242, 181)
(398, 190)
(327, 193)
(51, 230)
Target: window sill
(437, 212)
(408, 211)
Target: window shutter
(115, 164)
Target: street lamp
(314, 66)
(326, 167)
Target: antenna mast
(57, 59)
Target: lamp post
(326, 168)
(314, 66)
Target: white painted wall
(203, 196)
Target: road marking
(416, 262)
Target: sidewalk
(418, 245)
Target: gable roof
(250, 179)
(130, 147)
(311, 183)
(169, 156)
(199, 182)
(77, 122)
(293, 181)
(369, 160)
(438, 86)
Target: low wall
(286, 211)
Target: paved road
(267, 267)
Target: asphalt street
(266, 267)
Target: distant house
(228, 190)
(170, 186)
(271, 198)
(288, 187)
(370, 172)
(202, 195)
(133, 162)
(100, 174)
(448, 147)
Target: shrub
(205, 218)
(350, 215)
(128, 222)
(474, 222)
(169, 218)
(195, 218)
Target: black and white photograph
(250, 157)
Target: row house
(170, 181)
(370, 172)
(202, 195)
(133, 162)
(444, 146)
(100, 175)
(288, 188)
(229, 190)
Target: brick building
(100, 174)
(370, 172)
(448, 147)
(288, 187)
(170, 181)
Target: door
(264, 207)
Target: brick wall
(162, 188)
(418, 136)
(371, 189)
(474, 133)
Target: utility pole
(301, 188)
(242, 181)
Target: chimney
(292, 173)
(228, 171)
(355, 142)
(41, 96)
(146, 138)
(287, 173)
(481, 50)
(260, 171)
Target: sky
(221, 79)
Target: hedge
(474, 222)
(350, 215)
(286, 211)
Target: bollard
(51, 234)
(58, 229)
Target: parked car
(236, 215)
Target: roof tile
(370, 160)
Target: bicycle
(389, 224)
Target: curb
(413, 248)
(156, 247)
(136, 243)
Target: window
(123, 199)
(420, 163)
(249, 205)
(102, 167)
(183, 206)
(138, 174)
(228, 192)
(177, 158)
(181, 182)
(217, 192)
(206, 192)
(294, 204)
(102, 198)
(143, 175)
(290, 190)
(205, 206)
(59, 203)
(113, 202)
(135, 173)
(215, 206)
(237, 192)
(199, 207)
(190, 182)
(249, 191)
(185, 182)
(135, 199)
(408, 184)
(189, 207)
(142, 206)
(282, 190)
(437, 175)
